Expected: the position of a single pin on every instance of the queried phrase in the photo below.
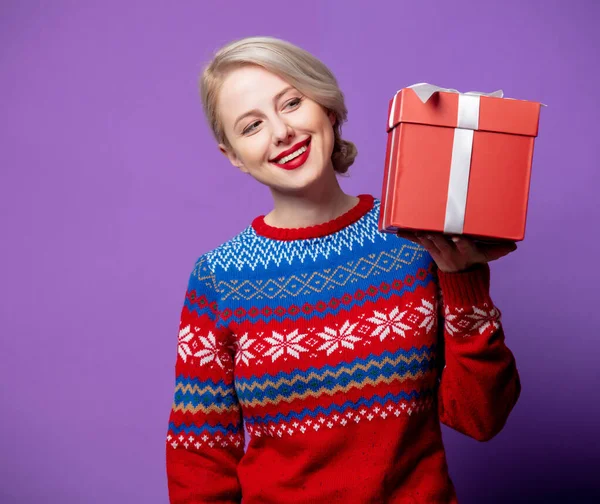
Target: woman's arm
(479, 384)
(205, 438)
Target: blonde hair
(301, 69)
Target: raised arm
(480, 383)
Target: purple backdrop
(111, 187)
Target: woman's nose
(282, 132)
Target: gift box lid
(496, 114)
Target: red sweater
(341, 349)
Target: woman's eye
(293, 103)
(252, 127)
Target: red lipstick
(296, 162)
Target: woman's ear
(233, 159)
(332, 117)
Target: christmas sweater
(341, 350)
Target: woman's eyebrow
(255, 111)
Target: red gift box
(458, 163)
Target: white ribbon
(425, 91)
(458, 186)
(462, 148)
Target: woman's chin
(300, 179)
(303, 185)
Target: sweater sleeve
(205, 438)
(479, 383)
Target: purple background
(111, 186)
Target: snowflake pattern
(450, 321)
(242, 350)
(483, 320)
(458, 321)
(210, 352)
(465, 323)
(390, 323)
(285, 344)
(183, 347)
(428, 311)
(335, 339)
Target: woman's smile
(293, 158)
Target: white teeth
(293, 155)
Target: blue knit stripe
(249, 251)
(356, 373)
(205, 399)
(423, 351)
(198, 430)
(194, 392)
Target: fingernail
(455, 239)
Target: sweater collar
(364, 206)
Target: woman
(315, 329)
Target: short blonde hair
(301, 69)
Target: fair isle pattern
(204, 274)
(418, 318)
(319, 308)
(330, 340)
(406, 398)
(323, 279)
(193, 396)
(373, 411)
(402, 268)
(471, 322)
(198, 439)
(224, 431)
(248, 250)
(385, 369)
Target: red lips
(294, 148)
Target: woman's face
(278, 136)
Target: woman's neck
(311, 207)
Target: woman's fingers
(428, 243)
(465, 246)
(443, 244)
(408, 235)
(457, 251)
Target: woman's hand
(458, 253)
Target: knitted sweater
(341, 349)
